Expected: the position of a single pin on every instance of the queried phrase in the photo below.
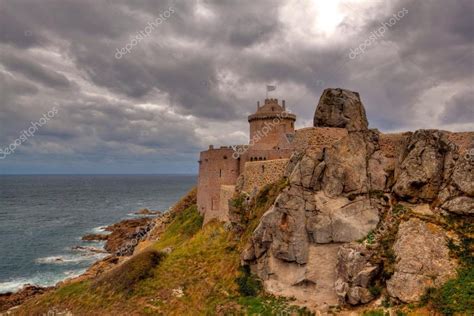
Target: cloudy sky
(142, 86)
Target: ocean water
(42, 218)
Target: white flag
(271, 88)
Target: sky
(142, 86)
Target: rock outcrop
(421, 170)
(339, 194)
(422, 260)
(355, 274)
(9, 300)
(126, 234)
(339, 220)
(340, 108)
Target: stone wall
(316, 138)
(257, 174)
(391, 145)
(465, 140)
(216, 167)
(222, 212)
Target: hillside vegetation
(189, 270)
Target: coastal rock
(301, 282)
(145, 211)
(126, 234)
(460, 205)
(463, 176)
(422, 260)
(355, 273)
(341, 220)
(9, 300)
(94, 237)
(341, 108)
(281, 226)
(420, 171)
(347, 162)
(458, 195)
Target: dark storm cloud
(460, 108)
(197, 75)
(35, 71)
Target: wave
(44, 279)
(100, 230)
(141, 215)
(84, 256)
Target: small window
(263, 168)
(225, 157)
(220, 173)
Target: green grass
(126, 277)
(270, 305)
(185, 224)
(455, 297)
(376, 312)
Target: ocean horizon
(44, 216)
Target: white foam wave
(44, 279)
(70, 259)
(100, 230)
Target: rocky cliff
(366, 215)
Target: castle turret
(271, 126)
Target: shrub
(126, 276)
(248, 284)
(375, 290)
(376, 312)
(455, 296)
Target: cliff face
(370, 212)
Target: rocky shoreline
(121, 241)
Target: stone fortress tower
(271, 127)
(271, 133)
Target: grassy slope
(204, 264)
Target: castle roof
(271, 109)
(270, 106)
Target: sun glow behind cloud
(328, 16)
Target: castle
(273, 139)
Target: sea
(43, 217)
